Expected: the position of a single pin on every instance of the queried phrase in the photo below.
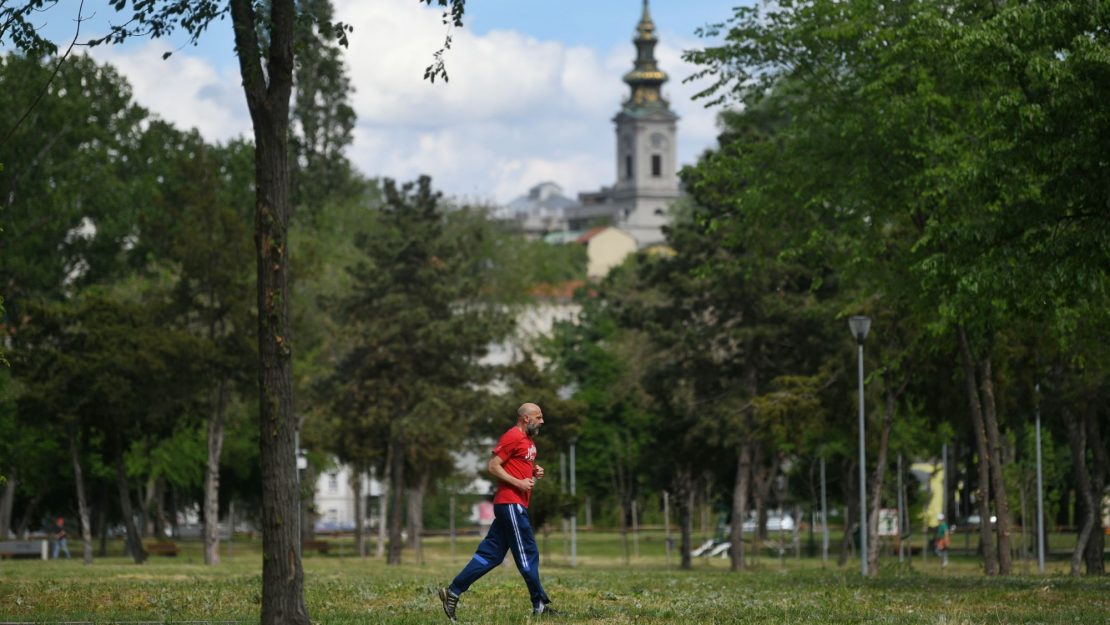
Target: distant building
(541, 211)
(606, 247)
(646, 164)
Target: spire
(646, 78)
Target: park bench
(38, 549)
(162, 548)
(319, 546)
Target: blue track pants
(510, 531)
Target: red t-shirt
(518, 454)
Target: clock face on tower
(658, 140)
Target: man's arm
(499, 472)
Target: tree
(264, 44)
(417, 323)
(200, 229)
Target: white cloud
(516, 111)
(183, 89)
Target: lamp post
(860, 325)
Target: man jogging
(513, 464)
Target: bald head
(529, 418)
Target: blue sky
(534, 86)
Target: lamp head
(859, 325)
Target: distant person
(942, 539)
(513, 464)
(60, 538)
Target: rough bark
(82, 502)
(28, 514)
(267, 84)
(383, 515)
(877, 484)
(990, 563)
(851, 506)
(396, 510)
(7, 501)
(1094, 557)
(1077, 439)
(134, 539)
(741, 486)
(144, 495)
(355, 482)
(684, 501)
(998, 481)
(102, 523)
(416, 516)
(212, 476)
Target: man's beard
(531, 429)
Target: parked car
(971, 522)
(775, 523)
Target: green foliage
(417, 321)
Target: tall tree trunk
(1077, 438)
(990, 562)
(741, 486)
(82, 503)
(355, 482)
(416, 516)
(212, 475)
(397, 491)
(847, 540)
(134, 539)
(159, 514)
(620, 492)
(383, 513)
(877, 484)
(145, 497)
(7, 502)
(28, 514)
(102, 522)
(1094, 556)
(684, 501)
(267, 79)
(998, 480)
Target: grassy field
(601, 589)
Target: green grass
(601, 589)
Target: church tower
(647, 180)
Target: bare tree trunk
(1096, 544)
(741, 486)
(28, 514)
(383, 512)
(7, 501)
(877, 485)
(82, 503)
(355, 482)
(998, 481)
(212, 477)
(159, 513)
(684, 501)
(145, 496)
(990, 563)
(134, 541)
(850, 507)
(266, 68)
(397, 490)
(102, 525)
(764, 479)
(416, 516)
(1077, 437)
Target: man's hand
(526, 485)
(537, 471)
